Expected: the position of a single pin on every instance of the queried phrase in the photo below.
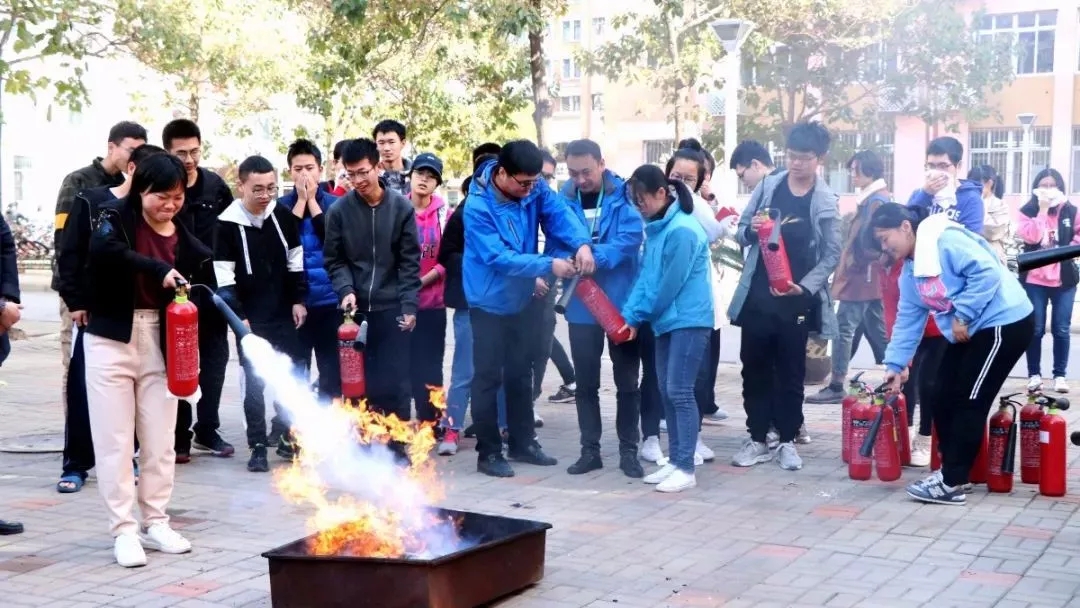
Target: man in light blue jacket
(597, 198)
(508, 202)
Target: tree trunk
(673, 49)
(538, 71)
(193, 105)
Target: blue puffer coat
(320, 291)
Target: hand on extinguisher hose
(172, 279)
(299, 314)
(564, 269)
(584, 260)
(894, 382)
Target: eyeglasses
(354, 175)
(527, 184)
(689, 180)
(186, 154)
(800, 158)
(939, 166)
(261, 192)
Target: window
(1031, 35)
(570, 103)
(571, 30)
(876, 62)
(1003, 149)
(658, 150)
(570, 69)
(22, 165)
(845, 145)
(598, 102)
(1074, 183)
(599, 24)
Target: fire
(391, 518)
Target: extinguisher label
(1029, 425)
(862, 424)
(185, 351)
(1044, 436)
(999, 431)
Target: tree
(671, 48)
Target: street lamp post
(1026, 120)
(732, 34)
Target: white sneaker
(678, 481)
(1060, 385)
(660, 475)
(650, 450)
(707, 455)
(1034, 383)
(698, 460)
(920, 451)
(160, 537)
(663, 426)
(128, 551)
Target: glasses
(689, 180)
(939, 166)
(800, 158)
(527, 184)
(354, 175)
(261, 192)
(186, 154)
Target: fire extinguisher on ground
(182, 343)
(1002, 445)
(857, 390)
(903, 431)
(352, 338)
(881, 439)
(1030, 420)
(773, 251)
(1052, 453)
(860, 465)
(980, 469)
(598, 304)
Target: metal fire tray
(505, 555)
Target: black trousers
(975, 371)
(587, 348)
(213, 359)
(386, 364)
(773, 354)
(427, 347)
(502, 355)
(652, 408)
(705, 387)
(923, 378)
(318, 334)
(282, 336)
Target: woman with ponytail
(672, 294)
(982, 311)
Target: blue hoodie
(672, 291)
(501, 262)
(320, 290)
(973, 286)
(968, 211)
(619, 230)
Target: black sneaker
(630, 466)
(258, 462)
(470, 432)
(565, 394)
(589, 461)
(7, 528)
(834, 393)
(933, 490)
(533, 455)
(287, 449)
(494, 466)
(214, 445)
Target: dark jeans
(386, 364)
(213, 359)
(773, 354)
(705, 386)
(587, 349)
(1061, 306)
(547, 345)
(923, 378)
(678, 360)
(318, 334)
(878, 349)
(282, 336)
(502, 356)
(652, 406)
(975, 370)
(850, 316)
(427, 346)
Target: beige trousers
(65, 349)
(127, 394)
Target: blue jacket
(673, 290)
(617, 249)
(320, 290)
(973, 286)
(501, 261)
(968, 211)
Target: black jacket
(374, 252)
(260, 271)
(451, 249)
(114, 265)
(73, 248)
(90, 176)
(9, 264)
(203, 203)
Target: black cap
(428, 161)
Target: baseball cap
(428, 161)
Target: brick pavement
(760, 537)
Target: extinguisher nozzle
(231, 317)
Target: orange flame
(347, 525)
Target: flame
(394, 520)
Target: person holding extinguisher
(138, 254)
(954, 275)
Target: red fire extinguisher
(881, 440)
(935, 453)
(860, 465)
(777, 265)
(903, 442)
(598, 304)
(980, 469)
(351, 341)
(1052, 454)
(857, 389)
(1030, 420)
(182, 343)
(1002, 446)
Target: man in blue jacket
(508, 202)
(960, 199)
(308, 202)
(597, 198)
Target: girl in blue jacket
(672, 294)
(983, 312)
